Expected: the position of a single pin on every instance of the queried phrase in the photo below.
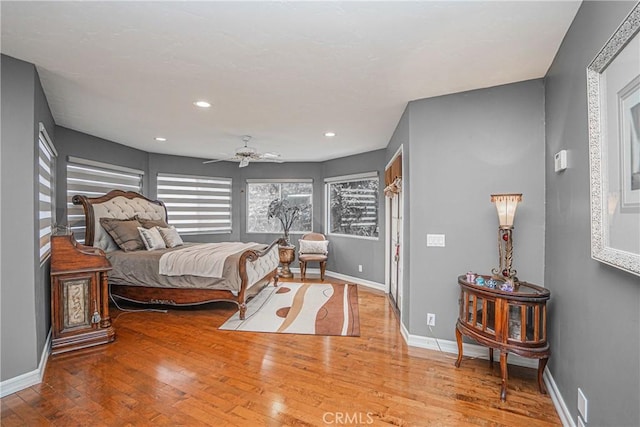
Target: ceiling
(283, 72)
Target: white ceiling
(283, 72)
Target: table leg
(541, 364)
(491, 357)
(504, 372)
(459, 340)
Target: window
(94, 179)
(196, 204)
(352, 205)
(261, 193)
(46, 193)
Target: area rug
(297, 308)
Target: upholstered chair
(313, 248)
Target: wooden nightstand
(79, 296)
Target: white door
(395, 270)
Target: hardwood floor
(177, 368)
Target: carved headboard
(115, 204)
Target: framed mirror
(613, 93)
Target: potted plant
(282, 210)
(286, 214)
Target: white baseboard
(471, 350)
(481, 352)
(359, 281)
(27, 379)
(558, 401)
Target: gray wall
(594, 316)
(464, 147)
(348, 252)
(42, 279)
(24, 288)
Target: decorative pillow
(171, 236)
(152, 238)
(314, 246)
(150, 223)
(124, 232)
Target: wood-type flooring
(177, 368)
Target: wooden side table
(511, 321)
(79, 296)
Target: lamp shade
(506, 205)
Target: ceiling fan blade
(224, 159)
(270, 155)
(263, 160)
(244, 162)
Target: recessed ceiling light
(160, 139)
(202, 104)
(329, 134)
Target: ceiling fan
(247, 154)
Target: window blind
(196, 204)
(93, 179)
(353, 205)
(46, 191)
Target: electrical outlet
(582, 405)
(431, 319)
(360, 268)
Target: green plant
(287, 214)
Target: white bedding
(204, 260)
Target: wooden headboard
(115, 204)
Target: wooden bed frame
(177, 296)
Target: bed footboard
(256, 269)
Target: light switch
(435, 240)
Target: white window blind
(94, 179)
(196, 204)
(352, 205)
(46, 191)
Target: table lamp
(506, 205)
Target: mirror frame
(601, 249)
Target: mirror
(613, 93)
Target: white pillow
(171, 236)
(314, 246)
(151, 238)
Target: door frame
(388, 250)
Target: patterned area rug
(296, 308)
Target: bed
(135, 275)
